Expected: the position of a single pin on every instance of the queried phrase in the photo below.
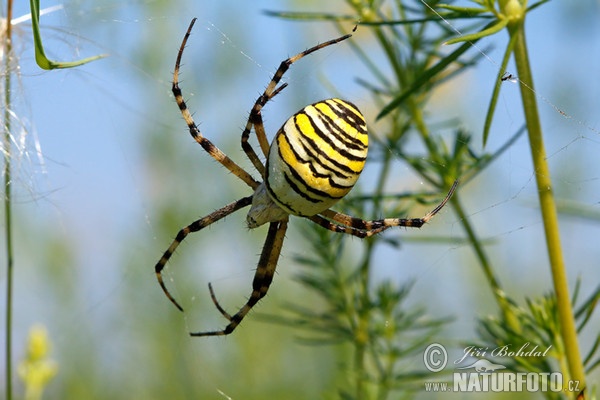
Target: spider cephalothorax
(314, 160)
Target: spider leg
(213, 297)
(257, 121)
(342, 223)
(339, 228)
(206, 144)
(194, 227)
(272, 90)
(262, 279)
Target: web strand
(513, 78)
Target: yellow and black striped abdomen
(316, 157)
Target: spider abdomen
(316, 157)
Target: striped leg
(272, 90)
(349, 230)
(194, 227)
(195, 132)
(342, 223)
(262, 279)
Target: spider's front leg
(206, 144)
(262, 279)
(272, 90)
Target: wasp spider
(314, 161)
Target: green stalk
(7, 198)
(547, 207)
(499, 295)
(456, 204)
(362, 339)
(477, 247)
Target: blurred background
(106, 175)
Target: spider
(508, 77)
(314, 160)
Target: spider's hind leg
(342, 223)
(213, 297)
(262, 279)
(194, 227)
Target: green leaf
(40, 55)
(495, 94)
(463, 10)
(423, 79)
(495, 28)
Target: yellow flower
(36, 370)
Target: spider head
(263, 209)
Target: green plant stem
(472, 236)
(362, 339)
(511, 319)
(362, 329)
(547, 207)
(40, 54)
(473, 239)
(479, 252)
(7, 197)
